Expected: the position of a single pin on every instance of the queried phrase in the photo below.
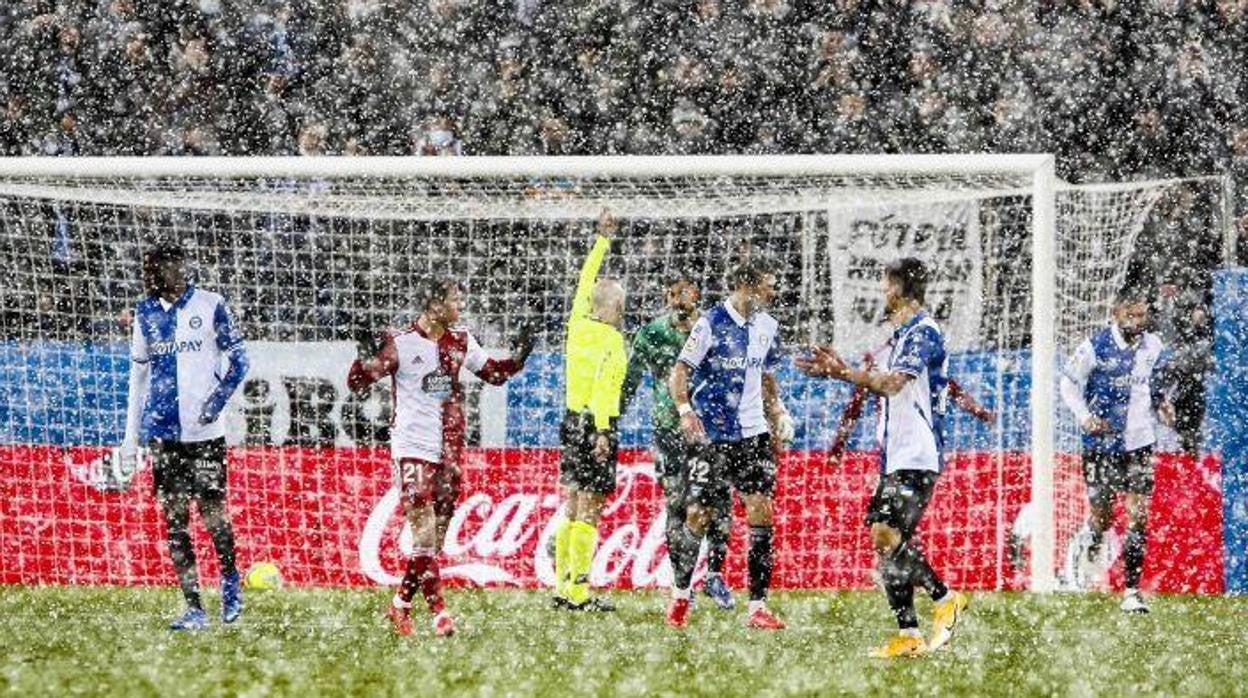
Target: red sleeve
(365, 373)
(497, 371)
(849, 420)
(955, 390)
(967, 402)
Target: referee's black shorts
(578, 468)
(195, 469)
(900, 499)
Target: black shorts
(192, 469)
(578, 469)
(748, 465)
(1107, 474)
(671, 467)
(672, 456)
(900, 499)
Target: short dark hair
(911, 275)
(433, 289)
(680, 274)
(1132, 294)
(750, 271)
(165, 250)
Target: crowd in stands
(1147, 88)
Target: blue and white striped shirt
(1120, 383)
(180, 346)
(729, 354)
(911, 426)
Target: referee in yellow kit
(595, 364)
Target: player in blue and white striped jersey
(186, 359)
(1114, 385)
(731, 414)
(913, 387)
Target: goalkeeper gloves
(115, 470)
(784, 426)
(525, 339)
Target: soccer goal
(308, 251)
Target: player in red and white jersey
(423, 363)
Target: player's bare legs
(589, 507)
(759, 514)
(899, 589)
(684, 541)
(422, 575)
(717, 534)
(447, 484)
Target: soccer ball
(263, 576)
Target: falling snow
(1153, 92)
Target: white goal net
(308, 252)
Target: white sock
(400, 603)
(911, 632)
(680, 593)
(756, 604)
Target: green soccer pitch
(113, 641)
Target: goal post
(309, 248)
(1043, 372)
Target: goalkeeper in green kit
(656, 347)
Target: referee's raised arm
(595, 364)
(582, 301)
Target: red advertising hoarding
(328, 517)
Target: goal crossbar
(592, 166)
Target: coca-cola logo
(501, 539)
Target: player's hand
(691, 426)
(128, 458)
(1095, 425)
(1165, 412)
(602, 447)
(208, 413)
(525, 339)
(607, 223)
(835, 456)
(823, 362)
